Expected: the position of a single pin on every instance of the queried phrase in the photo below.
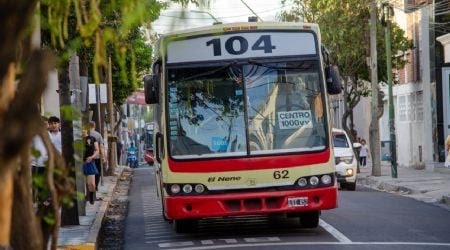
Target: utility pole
(99, 122)
(75, 83)
(387, 14)
(374, 139)
(111, 133)
(69, 214)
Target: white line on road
(333, 231)
(187, 243)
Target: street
(365, 219)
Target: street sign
(92, 93)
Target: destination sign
(294, 119)
(241, 45)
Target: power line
(224, 17)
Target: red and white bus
(148, 144)
(242, 122)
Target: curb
(385, 186)
(94, 230)
(381, 185)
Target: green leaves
(345, 32)
(103, 29)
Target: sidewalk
(84, 236)
(424, 185)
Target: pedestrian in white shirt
(54, 132)
(363, 153)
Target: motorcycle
(132, 161)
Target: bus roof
(231, 27)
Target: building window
(419, 106)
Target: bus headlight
(199, 188)
(187, 188)
(302, 182)
(326, 179)
(175, 189)
(314, 180)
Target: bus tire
(351, 186)
(164, 212)
(310, 219)
(184, 225)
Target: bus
(148, 144)
(242, 122)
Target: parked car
(345, 158)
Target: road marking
(187, 243)
(333, 231)
(231, 242)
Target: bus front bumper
(250, 203)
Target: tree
(20, 121)
(23, 74)
(348, 44)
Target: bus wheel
(164, 213)
(351, 186)
(184, 226)
(310, 219)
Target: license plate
(298, 201)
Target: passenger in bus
(299, 89)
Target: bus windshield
(245, 109)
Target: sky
(225, 11)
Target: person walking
(54, 132)
(91, 151)
(119, 151)
(363, 153)
(100, 158)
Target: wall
(409, 125)
(51, 97)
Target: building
(421, 93)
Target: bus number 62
(283, 174)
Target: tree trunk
(8, 88)
(25, 226)
(6, 196)
(69, 215)
(347, 110)
(23, 121)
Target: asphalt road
(365, 219)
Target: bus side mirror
(151, 89)
(333, 79)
